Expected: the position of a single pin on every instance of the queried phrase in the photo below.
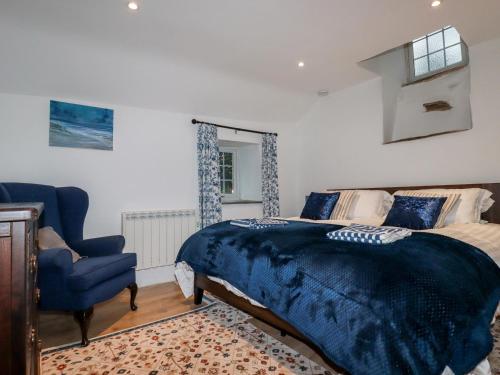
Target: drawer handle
(33, 263)
(33, 335)
(37, 295)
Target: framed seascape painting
(80, 126)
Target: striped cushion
(369, 234)
(343, 206)
(451, 201)
(258, 223)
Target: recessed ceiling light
(132, 5)
(301, 64)
(436, 3)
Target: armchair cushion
(89, 272)
(53, 262)
(101, 246)
(49, 239)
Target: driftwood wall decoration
(439, 105)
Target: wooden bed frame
(203, 283)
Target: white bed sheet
(483, 236)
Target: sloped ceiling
(228, 58)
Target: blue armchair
(104, 272)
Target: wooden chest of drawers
(19, 343)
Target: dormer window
(436, 53)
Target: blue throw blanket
(410, 307)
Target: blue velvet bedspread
(410, 307)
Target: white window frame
(236, 194)
(411, 60)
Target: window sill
(241, 202)
(436, 75)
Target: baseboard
(155, 275)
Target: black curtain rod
(195, 121)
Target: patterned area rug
(494, 357)
(214, 340)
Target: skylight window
(435, 53)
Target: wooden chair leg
(198, 295)
(133, 294)
(83, 319)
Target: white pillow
(369, 204)
(471, 204)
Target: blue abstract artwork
(81, 126)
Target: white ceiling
(258, 41)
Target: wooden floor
(154, 302)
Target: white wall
(249, 166)
(152, 166)
(392, 68)
(341, 138)
(241, 211)
(412, 120)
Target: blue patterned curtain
(270, 193)
(208, 176)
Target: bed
(287, 323)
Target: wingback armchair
(101, 274)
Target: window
(240, 171)
(435, 53)
(227, 173)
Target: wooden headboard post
(492, 215)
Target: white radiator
(156, 236)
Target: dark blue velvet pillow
(319, 206)
(414, 212)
